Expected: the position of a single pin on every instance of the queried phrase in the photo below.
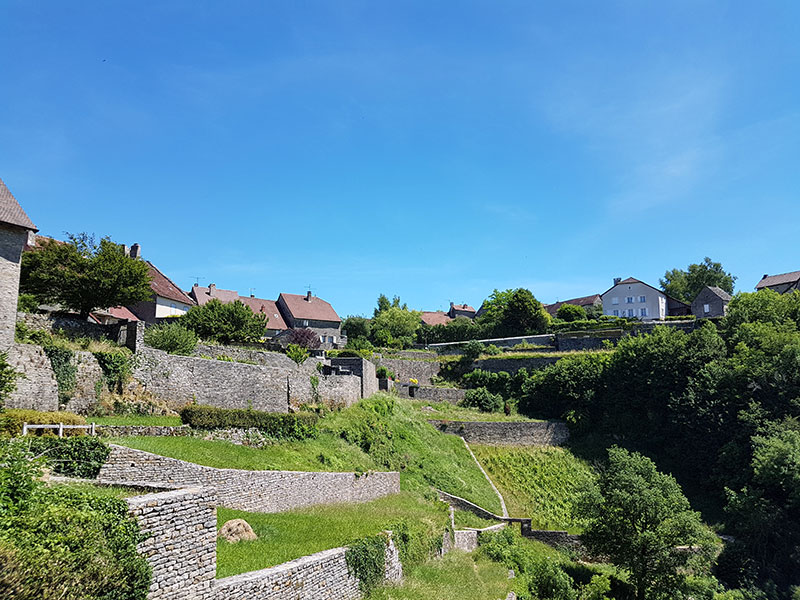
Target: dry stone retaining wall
(257, 491)
(544, 433)
(38, 388)
(512, 365)
(421, 370)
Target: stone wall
(181, 542)
(264, 358)
(71, 325)
(142, 430)
(512, 365)
(558, 539)
(361, 368)
(12, 240)
(437, 394)
(38, 388)
(544, 433)
(421, 370)
(258, 491)
(587, 340)
(545, 339)
(88, 380)
(332, 390)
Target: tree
(82, 275)
(384, 304)
(395, 327)
(571, 312)
(234, 322)
(305, 338)
(523, 315)
(297, 353)
(685, 285)
(356, 328)
(641, 520)
(494, 308)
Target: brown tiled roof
(10, 210)
(267, 307)
(582, 301)
(204, 295)
(164, 287)
(435, 317)
(118, 312)
(316, 310)
(770, 280)
(463, 307)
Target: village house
(461, 310)
(785, 282)
(434, 317)
(168, 299)
(15, 228)
(711, 302)
(632, 298)
(310, 312)
(585, 302)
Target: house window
(304, 323)
(630, 312)
(642, 299)
(615, 301)
(706, 308)
(616, 313)
(629, 300)
(642, 312)
(172, 305)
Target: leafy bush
(384, 373)
(234, 322)
(8, 379)
(492, 350)
(305, 338)
(281, 426)
(73, 457)
(27, 303)
(117, 368)
(571, 312)
(297, 353)
(366, 560)
(62, 542)
(11, 421)
(172, 338)
(483, 400)
(351, 352)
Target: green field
(540, 483)
(292, 534)
(366, 436)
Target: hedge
(282, 426)
(73, 457)
(11, 421)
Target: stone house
(585, 302)
(15, 228)
(310, 312)
(168, 299)
(711, 302)
(461, 310)
(276, 324)
(783, 283)
(632, 298)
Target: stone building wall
(12, 240)
(181, 542)
(259, 491)
(544, 433)
(421, 370)
(363, 369)
(38, 388)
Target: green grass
(355, 439)
(102, 491)
(451, 412)
(151, 420)
(456, 576)
(289, 535)
(540, 483)
(467, 519)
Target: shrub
(492, 350)
(281, 426)
(11, 422)
(117, 368)
(172, 338)
(366, 560)
(8, 379)
(349, 352)
(305, 338)
(483, 400)
(27, 303)
(571, 312)
(384, 373)
(234, 322)
(297, 353)
(73, 457)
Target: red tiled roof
(315, 310)
(463, 307)
(269, 308)
(10, 210)
(118, 312)
(203, 295)
(436, 317)
(164, 287)
(582, 301)
(781, 279)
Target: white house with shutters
(632, 298)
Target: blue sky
(431, 150)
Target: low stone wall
(436, 394)
(333, 390)
(468, 539)
(545, 339)
(512, 365)
(257, 491)
(544, 433)
(558, 539)
(587, 340)
(125, 334)
(421, 370)
(181, 542)
(360, 368)
(37, 388)
(462, 504)
(142, 430)
(264, 358)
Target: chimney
(195, 284)
(765, 276)
(451, 305)
(617, 280)
(125, 250)
(308, 296)
(211, 288)
(252, 295)
(136, 251)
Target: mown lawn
(540, 483)
(456, 576)
(292, 534)
(383, 433)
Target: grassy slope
(288, 535)
(424, 456)
(450, 412)
(540, 483)
(457, 576)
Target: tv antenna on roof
(197, 280)
(252, 294)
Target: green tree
(494, 308)
(641, 520)
(763, 306)
(395, 327)
(571, 312)
(356, 328)
(82, 275)
(384, 304)
(685, 285)
(297, 353)
(225, 323)
(523, 315)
